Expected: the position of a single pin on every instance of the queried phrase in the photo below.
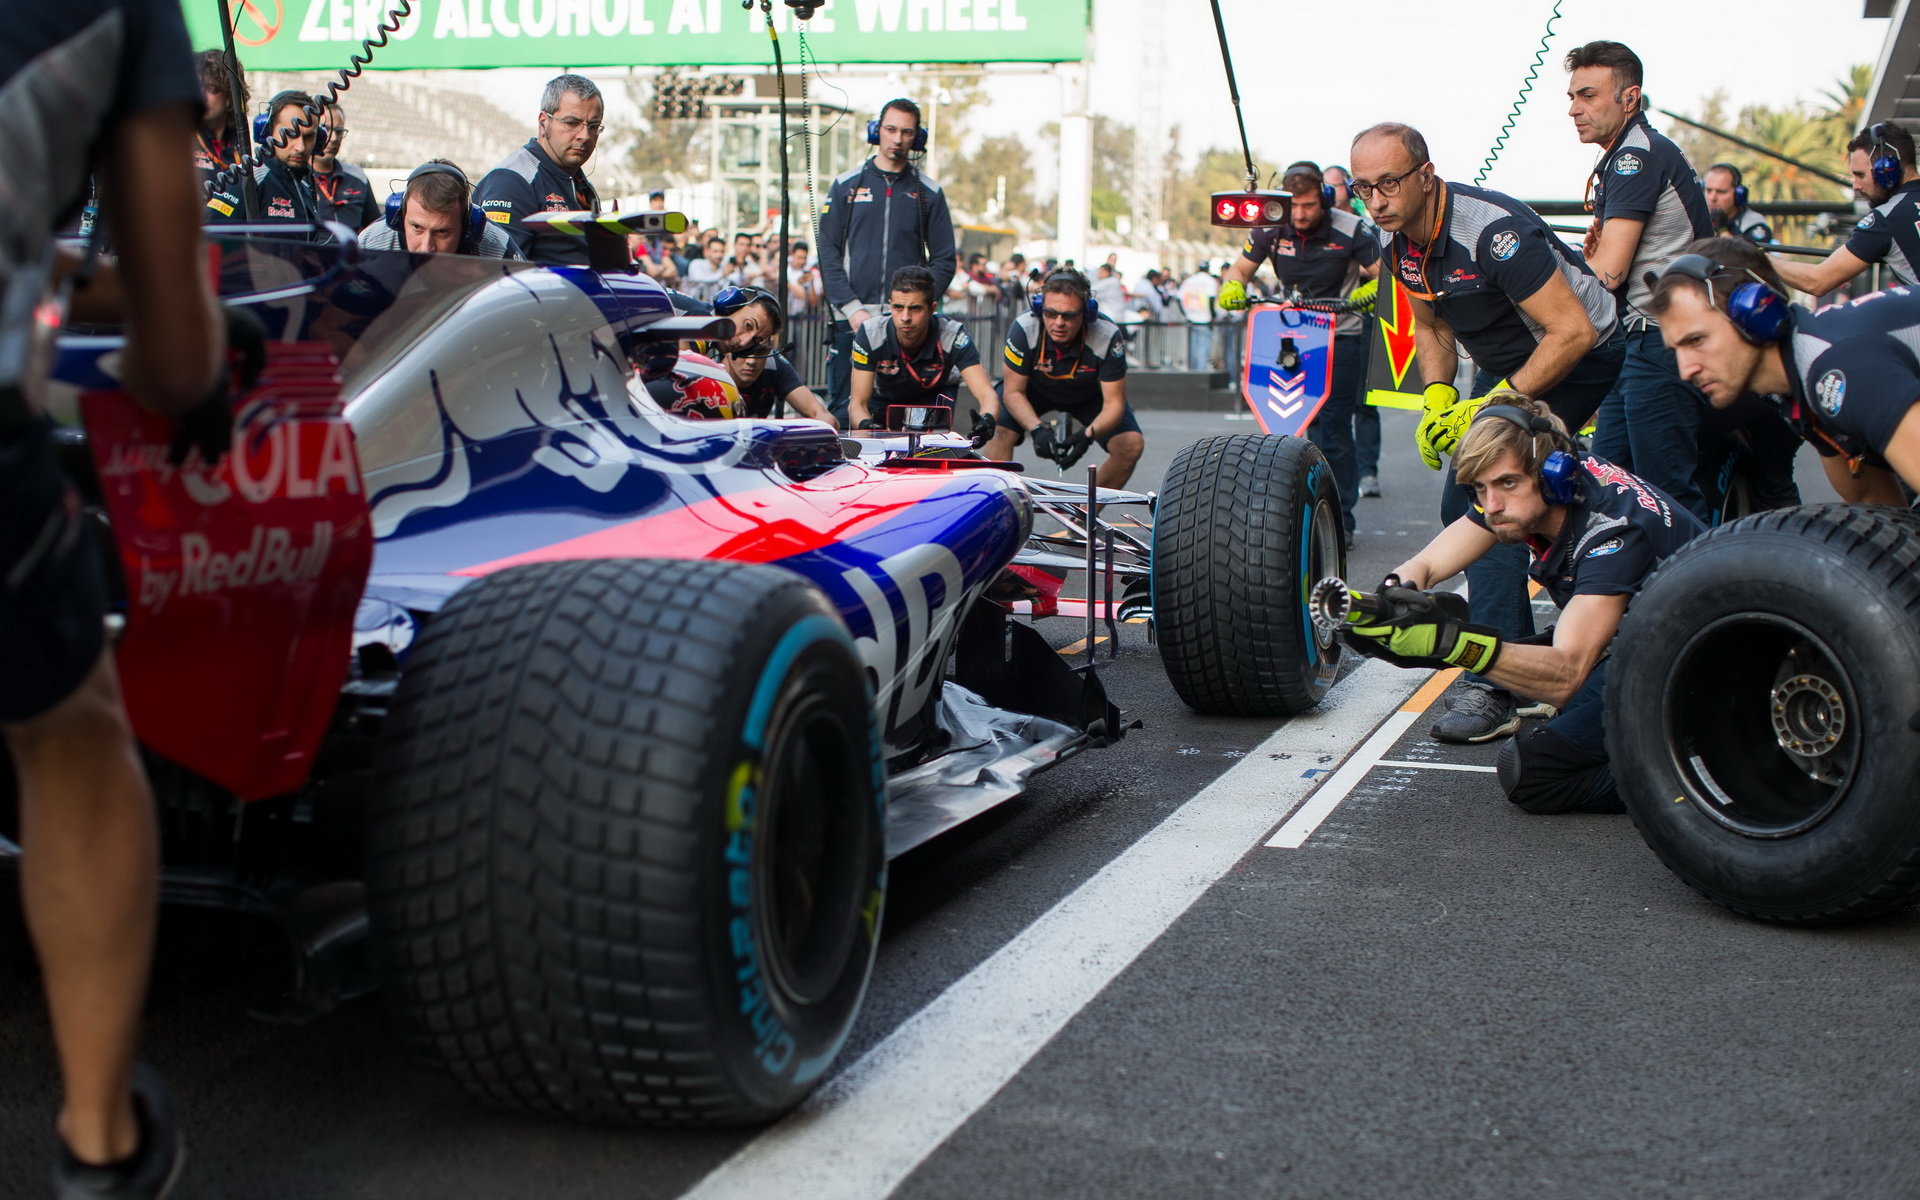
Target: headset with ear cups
(1883, 161)
(1758, 313)
(263, 122)
(397, 203)
(1560, 470)
(1739, 188)
(919, 130)
(1079, 286)
(1328, 197)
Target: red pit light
(1250, 211)
(1226, 210)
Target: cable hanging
(1519, 101)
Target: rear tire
(1758, 708)
(1244, 528)
(626, 844)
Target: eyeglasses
(572, 124)
(764, 348)
(1054, 314)
(1386, 185)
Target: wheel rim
(1763, 725)
(1320, 558)
(811, 864)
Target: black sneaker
(149, 1174)
(1478, 715)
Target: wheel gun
(1333, 605)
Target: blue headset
(1757, 311)
(1077, 284)
(263, 122)
(1328, 198)
(1739, 189)
(1883, 161)
(476, 219)
(906, 106)
(1559, 471)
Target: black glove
(871, 423)
(1424, 629)
(1044, 441)
(1073, 449)
(208, 425)
(984, 427)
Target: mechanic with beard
(547, 174)
(1064, 355)
(1483, 271)
(436, 215)
(912, 356)
(880, 216)
(1325, 253)
(343, 191)
(1880, 159)
(763, 380)
(1594, 533)
(1846, 377)
(1727, 205)
(88, 834)
(285, 181)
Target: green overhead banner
(315, 35)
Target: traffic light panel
(1250, 210)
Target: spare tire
(626, 848)
(1244, 528)
(1758, 712)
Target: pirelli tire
(1244, 527)
(1760, 711)
(626, 845)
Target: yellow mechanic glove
(1362, 296)
(1440, 398)
(1233, 295)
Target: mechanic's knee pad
(1545, 774)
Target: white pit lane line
(866, 1129)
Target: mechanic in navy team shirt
(1484, 273)
(547, 174)
(910, 355)
(435, 214)
(763, 380)
(1324, 253)
(1647, 203)
(285, 179)
(1593, 533)
(116, 79)
(343, 191)
(1727, 205)
(1064, 356)
(1880, 159)
(1846, 377)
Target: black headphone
(906, 106)
(1739, 188)
(1327, 194)
(1757, 311)
(1883, 161)
(263, 122)
(1560, 469)
(476, 219)
(1077, 285)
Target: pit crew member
(1593, 533)
(911, 355)
(1647, 204)
(1063, 355)
(1324, 252)
(217, 140)
(88, 867)
(765, 379)
(284, 179)
(1483, 271)
(1846, 377)
(880, 216)
(342, 190)
(1880, 159)
(547, 174)
(435, 214)
(1727, 205)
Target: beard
(1508, 534)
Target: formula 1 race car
(584, 730)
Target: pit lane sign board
(313, 35)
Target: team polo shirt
(1890, 234)
(1616, 531)
(929, 374)
(1855, 371)
(1750, 225)
(1645, 177)
(1492, 254)
(1325, 262)
(1060, 378)
(777, 380)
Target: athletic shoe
(150, 1172)
(1478, 715)
(1535, 710)
(1369, 485)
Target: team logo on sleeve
(1504, 244)
(1867, 222)
(1627, 164)
(1610, 546)
(1831, 392)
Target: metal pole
(1757, 148)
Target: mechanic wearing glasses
(1484, 273)
(911, 356)
(1067, 356)
(343, 191)
(763, 380)
(1846, 377)
(546, 174)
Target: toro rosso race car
(584, 730)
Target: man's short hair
(1490, 439)
(437, 191)
(799, 246)
(656, 195)
(904, 105)
(1738, 255)
(560, 85)
(913, 279)
(1614, 56)
(1068, 282)
(1303, 177)
(1893, 135)
(300, 102)
(1732, 171)
(1408, 137)
(712, 238)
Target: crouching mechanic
(911, 356)
(1845, 377)
(435, 214)
(1595, 533)
(1067, 356)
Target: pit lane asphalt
(1434, 995)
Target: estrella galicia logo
(1504, 244)
(1868, 221)
(1610, 546)
(1831, 392)
(1627, 164)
